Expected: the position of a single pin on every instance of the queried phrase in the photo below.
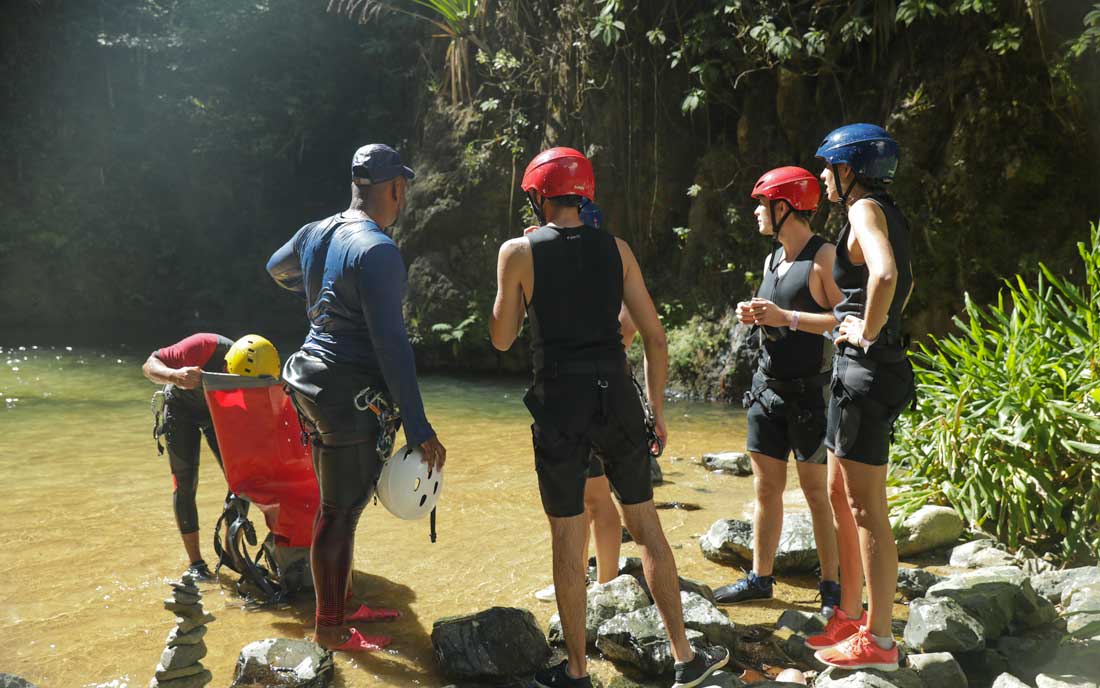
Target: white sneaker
(546, 594)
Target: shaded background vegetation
(154, 152)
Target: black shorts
(867, 397)
(182, 429)
(345, 454)
(778, 426)
(575, 417)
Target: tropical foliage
(1007, 428)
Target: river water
(89, 541)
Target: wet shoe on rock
(860, 651)
(557, 677)
(200, 572)
(706, 661)
(837, 630)
(752, 587)
(830, 596)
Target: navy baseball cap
(376, 163)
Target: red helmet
(791, 184)
(560, 172)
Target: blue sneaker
(751, 587)
(830, 596)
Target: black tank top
(790, 355)
(574, 312)
(852, 279)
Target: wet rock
(163, 675)
(686, 585)
(682, 506)
(184, 598)
(189, 609)
(938, 670)
(181, 656)
(840, 678)
(494, 643)
(283, 662)
(636, 640)
(803, 623)
(914, 583)
(1052, 584)
(980, 554)
(1063, 681)
(730, 542)
(190, 623)
(1082, 610)
(655, 472)
(1007, 680)
(175, 638)
(630, 565)
(619, 596)
(198, 680)
(981, 668)
(734, 463)
(929, 527)
(13, 681)
(639, 638)
(942, 625)
(1001, 598)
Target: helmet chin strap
(537, 208)
(776, 226)
(840, 185)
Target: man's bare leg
(567, 537)
(847, 540)
(191, 544)
(660, 572)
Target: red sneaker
(839, 629)
(860, 651)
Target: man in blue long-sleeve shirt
(353, 279)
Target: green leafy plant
(454, 334)
(1007, 428)
(1005, 39)
(910, 11)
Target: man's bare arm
(513, 261)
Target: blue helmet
(866, 148)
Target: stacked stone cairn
(180, 665)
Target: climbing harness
(156, 405)
(653, 440)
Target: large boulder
(840, 678)
(618, 596)
(938, 670)
(980, 554)
(13, 681)
(928, 528)
(803, 623)
(283, 662)
(1026, 653)
(914, 583)
(729, 541)
(982, 668)
(942, 625)
(495, 643)
(1052, 584)
(639, 637)
(734, 463)
(1075, 658)
(1081, 610)
(1001, 598)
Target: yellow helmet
(254, 356)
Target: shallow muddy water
(90, 542)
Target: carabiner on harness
(389, 418)
(653, 440)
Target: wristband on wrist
(865, 343)
(794, 321)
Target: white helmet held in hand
(408, 487)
